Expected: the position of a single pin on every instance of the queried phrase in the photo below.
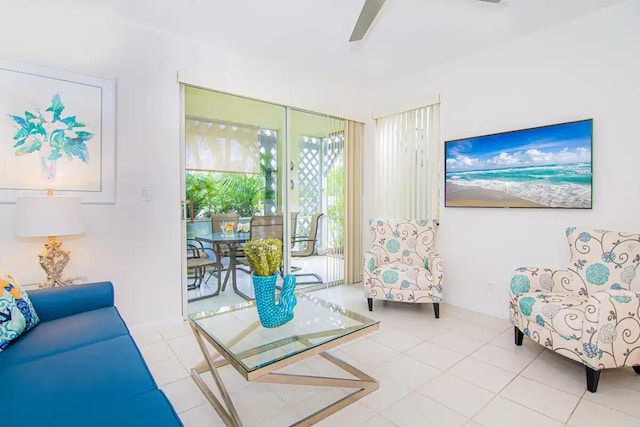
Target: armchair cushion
(560, 313)
(399, 275)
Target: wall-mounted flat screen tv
(542, 167)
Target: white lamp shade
(48, 216)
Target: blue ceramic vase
(274, 314)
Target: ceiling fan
(368, 14)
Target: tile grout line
(504, 387)
(175, 355)
(467, 357)
(554, 387)
(519, 374)
(575, 407)
(467, 418)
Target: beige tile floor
(460, 370)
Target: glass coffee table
(257, 353)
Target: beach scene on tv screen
(548, 166)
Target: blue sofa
(79, 367)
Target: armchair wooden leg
(436, 309)
(592, 379)
(518, 335)
(636, 368)
(370, 302)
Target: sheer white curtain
(407, 164)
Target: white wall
(588, 68)
(136, 244)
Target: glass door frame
(287, 159)
(284, 190)
(183, 207)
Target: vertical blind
(353, 138)
(407, 159)
(333, 171)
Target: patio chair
(263, 227)
(309, 245)
(266, 227)
(271, 227)
(307, 241)
(216, 220)
(200, 260)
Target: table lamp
(50, 216)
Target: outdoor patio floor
(322, 265)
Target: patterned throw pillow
(16, 311)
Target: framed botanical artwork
(57, 131)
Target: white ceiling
(312, 35)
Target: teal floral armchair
(402, 265)
(589, 311)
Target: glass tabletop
(234, 237)
(237, 330)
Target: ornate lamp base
(53, 260)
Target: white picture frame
(57, 131)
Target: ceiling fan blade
(491, 1)
(367, 15)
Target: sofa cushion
(561, 313)
(105, 371)
(66, 333)
(150, 409)
(16, 312)
(58, 302)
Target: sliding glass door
(246, 158)
(234, 157)
(334, 179)
(316, 195)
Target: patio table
(233, 241)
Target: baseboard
(478, 309)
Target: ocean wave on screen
(566, 195)
(576, 173)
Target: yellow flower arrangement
(264, 256)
